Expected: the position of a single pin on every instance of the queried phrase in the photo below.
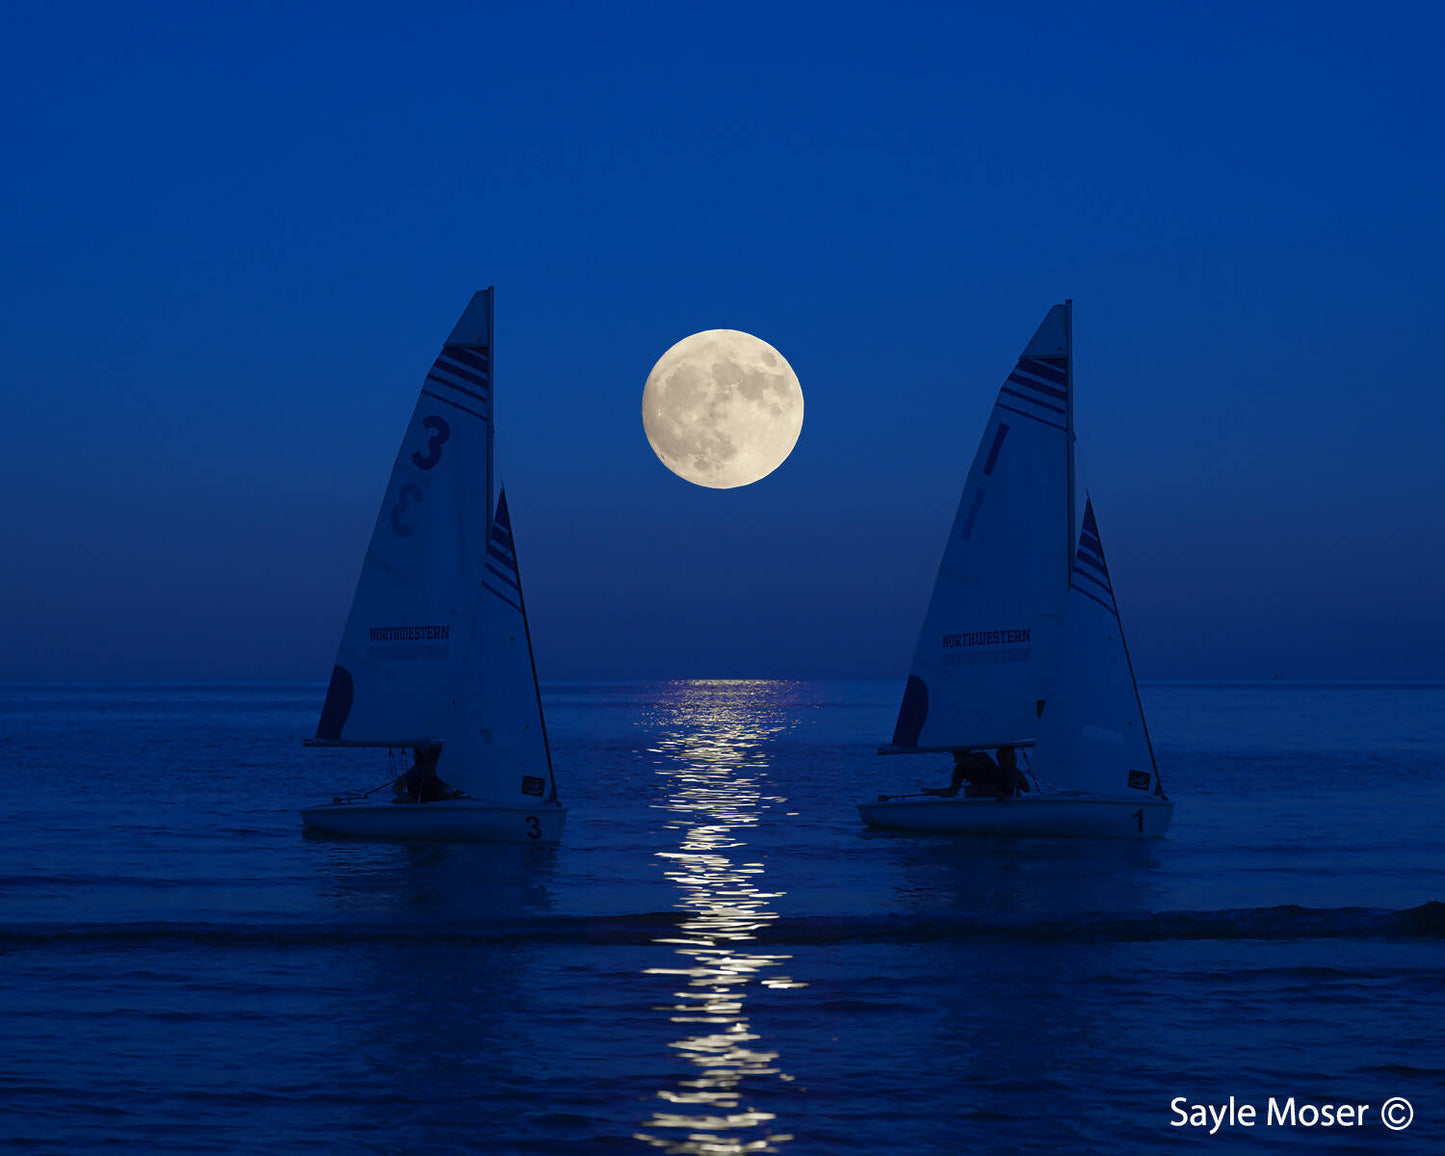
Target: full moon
(722, 408)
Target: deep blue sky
(234, 240)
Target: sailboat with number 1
(436, 656)
(1022, 648)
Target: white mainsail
(1094, 738)
(409, 636)
(987, 653)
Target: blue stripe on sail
(462, 370)
(1109, 606)
(998, 437)
(1090, 553)
(515, 606)
(1032, 400)
(972, 516)
(1101, 583)
(455, 404)
(500, 535)
(1043, 369)
(1090, 541)
(434, 379)
(472, 357)
(1034, 416)
(1019, 379)
(459, 375)
(505, 568)
(509, 579)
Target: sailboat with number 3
(436, 653)
(1022, 645)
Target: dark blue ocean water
(718, 959)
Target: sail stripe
(455, 404)
(1034, 416)
(471, 395)
(477, 378)
(510, 602)
(466, 372)
(1033, 400)
(1094, 575)
(464, 385)
(992, 461)
(472, 357)
(1019, 379)
(1043, 369)
(510, 580)
(502, 558)
(1109, 606)
(1089, 561)
(501, 548)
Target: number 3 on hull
(436, 652)
(1022, 645)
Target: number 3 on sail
(436, 656)
(1022, 646)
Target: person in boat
(971, 771)
(1008, 765)
(421, 783)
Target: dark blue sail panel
(912, 714)
(1090, 575)
(501, 576)
(339, 696)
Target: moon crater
(722, 408)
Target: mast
(1071, 541)
(492, 409)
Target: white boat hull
(1029, 816)
(447, 820)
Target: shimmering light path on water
(718, 959)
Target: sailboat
(1022, 645)
(436, 652)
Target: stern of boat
(446, 820)
(1048, 817)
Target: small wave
(1257, 923)
(1268, 923)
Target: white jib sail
(986, 656)
(401, 653)
(496, 747)
(1094, 739)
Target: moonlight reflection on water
(713, 751)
